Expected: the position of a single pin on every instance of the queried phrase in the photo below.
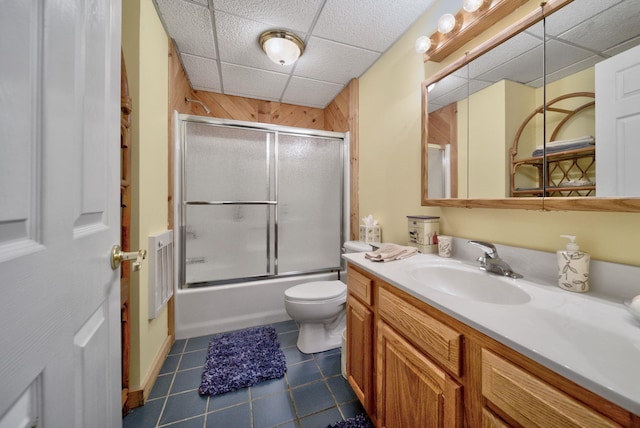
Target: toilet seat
(316, 291)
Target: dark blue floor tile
(177, 347)
(268, 387)
(302, 373)
(292, 355)
(144, 417)
(351, 409)
(231, 417)
(341, 389)
(285, 326)
(183, 406)
(186, 380)
(217, 402)
(197, 422)
(330, 365)
(170, 364)
(322, 419)
(288, 339)
(312, 398)
(197, 343)
(272, 410)
(161, 387)
(193, 359)
(305, 397)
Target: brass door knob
(118, 256)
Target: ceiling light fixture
(282, 47)
(472, 5)
(446, 23)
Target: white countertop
(589, 340)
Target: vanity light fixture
(472, 5)
(282, 47)
(446, 23)
(423, 44)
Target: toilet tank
(356, 247)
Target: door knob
(118, 256)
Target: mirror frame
(576, 203)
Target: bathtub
(214, 309)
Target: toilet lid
(317, 290)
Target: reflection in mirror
(583, 41)
(506, 89)
(492, 95)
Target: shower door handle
(118, 256)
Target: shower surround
(259, 208)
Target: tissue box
(370, 234)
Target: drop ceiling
(217, 41)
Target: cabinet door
(360, 352)
(412, 390)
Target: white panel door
(618, 125)
(59, 213)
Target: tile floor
(313, 393)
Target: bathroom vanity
(520, 354)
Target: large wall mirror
(545, 115)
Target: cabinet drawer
(529, 400)
(360, 286)
(441, 342)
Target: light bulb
(472, 5)
(423, 44)
(446, 23)
(282, 51)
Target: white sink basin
(470, 283)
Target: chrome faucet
(491, 262)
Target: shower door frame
(180, 206)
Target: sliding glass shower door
(258, 203)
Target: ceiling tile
(596, 34)
(189, 25)
(508, 51)
(202, 72)
(369, 24)
(333, 62)
(561, 55)
(312, 93)
(238, 43)
(292, 15)
(252, 82)
(568, 17)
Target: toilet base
(318, 337)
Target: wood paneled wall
(341, 115)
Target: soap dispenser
(573, 267)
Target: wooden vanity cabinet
(361, 338)
(432, 370)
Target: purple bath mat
(360, 421)
(241, 359)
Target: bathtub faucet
(491, 262)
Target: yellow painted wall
(145, 49)
(390, 166)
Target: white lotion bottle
(573, 267)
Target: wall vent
(160, 271)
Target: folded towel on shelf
(562, 145)
(390, 252)
(559, 143)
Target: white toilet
(319, 308)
